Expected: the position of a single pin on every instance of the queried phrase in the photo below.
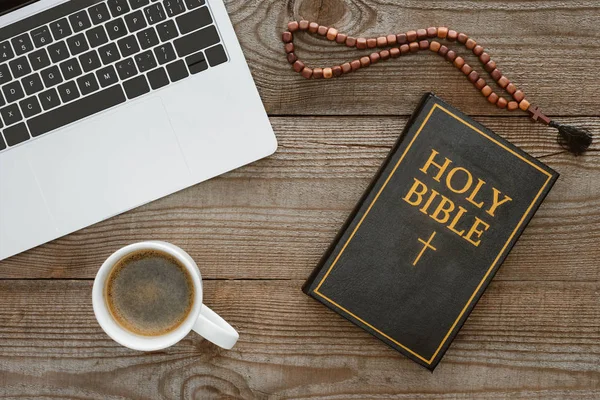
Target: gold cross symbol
(426, 245)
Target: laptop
(109, 104)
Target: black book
(431, 231)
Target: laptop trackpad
(108, 164)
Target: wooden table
(259, 231)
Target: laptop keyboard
(97, 57)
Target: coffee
(149, 292)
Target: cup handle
(215, 329)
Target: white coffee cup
(201, 319)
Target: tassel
(576, 140)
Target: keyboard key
(13, 92)
(41, 36)
(96, 36)
(164, 53)
(107, 76)
(5, 75)
(109, 53)
(155, 13)
(6, 51)
(177, 71)
(126, 68)
(51, 76)
(19, 67)
(30, 106)
(216, 55)
(99, 13)
(10, 115)
(194, 3)
(174, 7)
(22, 44)
(194, 20)
(68, 91)
(135, 21)
(145, 61)
(58, 52)
(39, 59)
(60, 29)
(32, 84)
(87, 84)
(196, 63)
(70, 69)
(118, 7)
(80, 21)
(148, 38)
(77, 44)
(116, 29)
(138, 3)
(167, 30)
(196, 41)
(49, 99)
(158, 78)
(136, 87)
(2, 144)
(128, 46)
(79, 109)
(90, 61)
(16, 134)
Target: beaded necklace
(574, 139)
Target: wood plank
(275, 218)
(549, 49)
(523, 341)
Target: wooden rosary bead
(432, 32)
(384, 54)
(371, 43)
(346, 67)
(496, 74)
(524, 105)
(365, 61)
(313, 27)
(361, 43)
(486, 90)
(411, 36)
(293, 26)
(473, 77)
(451, 55)
(443, 51)
(501, 102)
(322, 30)
(484, 58)
(337, 70)
(351, 41)
(374, 57)
(434, 46)
(503, 82)
(395, 52)
(404, 49)
(287, 37)
(303, 25)
(459, 62)
(332, 34)
(493, 98)
(382, 41)
(462, 38)
(307, 73)
(327, 73)
(478, 50)
(401, 38)
(421, 33)
(424, 44)
(442, 32)
(512, 105)
(341, 38)
(470, 44)
(289, 47)
(518, 95)
(452, 35)
(292, 58)
(391, 39)
(414, 47)
(490, 66)
(318, 73)
(355, 65)
(298, 66)
(511, 88)
(466, 69)
(480, 83)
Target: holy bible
(430, 232)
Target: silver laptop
(109, 104)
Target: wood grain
(523, 341)
(551, 49)
(275, 218)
